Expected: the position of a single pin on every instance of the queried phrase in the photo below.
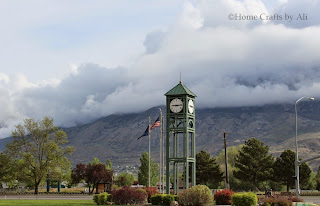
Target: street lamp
(297, 156)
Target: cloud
(226, 63)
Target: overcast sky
(79, 60)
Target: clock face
(191, 106)
(176, 105)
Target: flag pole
(160, 164)
(163, 162)
(149, 151)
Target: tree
(97, 173)
(92, 174)
(284, 170)
(207, 170)
(125, 179)
(7, 169)
(109, 164)
(95, 161)
(143, 172)
(253, 164)
(39, 148)
(317, 178)
(78, 173)
(232, 154)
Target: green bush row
(244, 199)
(102, 198)
(163, 199)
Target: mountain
(115, 137)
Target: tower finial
(180, 78)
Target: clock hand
(177, 105)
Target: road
(314, 199)
(47, 197)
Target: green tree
(143, 172)
(125, 179)
(317, 178)
(95, 161)
(253, 163)
(39, 149)
(7, 169)
(284, 170)
(232, 154)
(207, 170)
(109, 164)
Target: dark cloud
(226, 64)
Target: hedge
(244, 199)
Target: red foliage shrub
(151, 191)
(129, 195)
(223, 197)
(277, 201)
(295, 199)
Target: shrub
(102, 198)
(223, 197)
(197, 195)
(244, 199)
(128, 195)
(95, 198)
(167, 199)
(156, 199)
(283, 202)
(176, 198)
(296, 199)
(162, 199)
(151, 191)
(109, 198)
(276, 202)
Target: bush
(276, 202)
(151, 191)
(296, 199)
(95, 198)
(176, 198)
(244, 199)
(102, 198)
(167, 199)
(197, 195)
(223, 197)
(162, 199)
(156, 199)
(129, 195)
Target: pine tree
(207, 170)
(284, 170)
(143, 173)
(253, 164)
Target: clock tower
(180, 138)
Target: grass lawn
(47, 202)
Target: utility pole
(226, 160)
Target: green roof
(180, 89)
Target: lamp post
(297, 156)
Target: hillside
(115, 137)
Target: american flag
(155, 124)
